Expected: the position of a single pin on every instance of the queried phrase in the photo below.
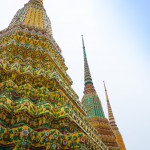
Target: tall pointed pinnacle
(113, 125)
(90, 99)
(110, 113)
(87, 75)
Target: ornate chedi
(95, 114)
(113, 123)
(38, 107)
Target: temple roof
(32, 15)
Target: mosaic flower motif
(47, 133)
(64, 142)
(25, 133)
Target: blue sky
(117, 40)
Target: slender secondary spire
(87, 75)
(110, 113)
(113, 125)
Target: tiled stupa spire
(91, 100)
(95, 114)
(89, 87)
(113, 123)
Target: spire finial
(110, 113)
(84, 53)
(83, 42)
